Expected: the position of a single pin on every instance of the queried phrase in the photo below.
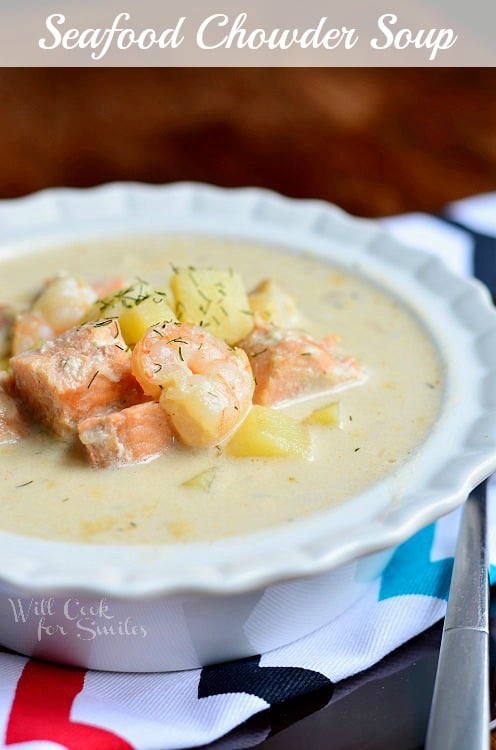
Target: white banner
(246, 33)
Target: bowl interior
(458, 452)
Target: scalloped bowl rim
(458, 453)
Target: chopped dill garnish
(133, 524)
(223, 309)
(25, 483)
(181, 355)
(157, 367)
(177, 340)
(92, 379)
(123, 292)
(216, 320)
(102, 323)
(174, 268)
(236, 408)
(247, 312)
(306, 354)
(256, 354)
(155, 330)
(120, 347)
(356, 449)
(65, 499)
(351, 418)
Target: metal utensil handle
(459, 717)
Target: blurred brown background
(375, 141)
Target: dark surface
(374, 141)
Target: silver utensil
(459, 718)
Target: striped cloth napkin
(46, 706)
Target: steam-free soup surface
(49, 491)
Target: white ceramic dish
(193, 604)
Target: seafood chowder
(211, 388)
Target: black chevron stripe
(484, 249)
(275, 685)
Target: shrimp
(64, 302)
(59, 307)
(204, 385)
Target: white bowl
(193, 604)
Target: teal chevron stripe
(412, 572)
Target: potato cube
(327, 416)
(137, 308)
(271, 433)
(216, 300)
(134, 321)
(202, 481)
(274, 305)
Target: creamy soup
(48, 490)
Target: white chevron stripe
(478, 213)
(452, 245)
(160, 711)
(361, 636)
(445, 535)
(10, 669)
